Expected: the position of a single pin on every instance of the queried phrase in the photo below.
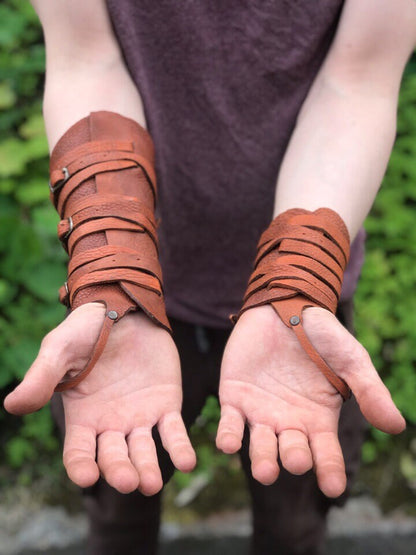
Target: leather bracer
(300, 263)
(103, 185)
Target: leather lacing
(300, 263)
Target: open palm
(109, 416)
(268, 382)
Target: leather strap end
(70, 380)
(290, 312)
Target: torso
(222, 84)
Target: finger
(263, 454)
(348, 358)
(230, 430)
(67, 347)
(114, 463)
(176, 441)
(373, 397)
(39, 383)
(294, 450)
(143, 455)
(329, 463)
(79, 456)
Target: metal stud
(294, 320)
(112, 314)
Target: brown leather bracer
(300, 263)
(103, 186)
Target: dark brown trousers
(289, 517)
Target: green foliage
(31, 260)
(386, 300)
(35, 435)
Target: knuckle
(357, 357)
(70, 459)
(227, 428)
(333, 467)
(264, 454)
(53, 344)
(296, 447)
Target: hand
(135, 385)
(269, 382)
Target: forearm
(109, 89)
(339, 151)
(341, 144)
(85, 71)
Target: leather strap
(103, 184)
(71, 381)
(100, 152)
(107, 207)
(300, 262)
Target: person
(235, 96)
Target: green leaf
(11, 28)
(20, 355)
(6, 186)
(45, 220)
(15, 154)
(18, 451)
(12, 157)
(46, 280)
(7, 291)
(33, 127)
(7, 96)
(32, 192)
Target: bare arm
(336, 158)
(85, 71)
(136, 383)
(340, 148)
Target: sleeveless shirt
(222, 83)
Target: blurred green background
(32, 267)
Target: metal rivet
(112, 314)
(294, 320)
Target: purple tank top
(222, 83)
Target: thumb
(38, 385)
(349, 360)
(373, 397)
(65, 349)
